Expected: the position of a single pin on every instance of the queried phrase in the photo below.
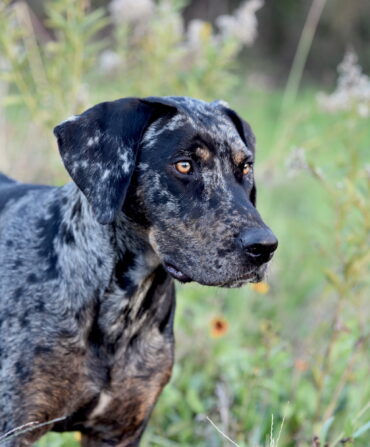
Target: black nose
(258, 243)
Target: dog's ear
(99, 149)
(242, 127)
(246, 134)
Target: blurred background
(284, 362)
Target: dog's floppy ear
(246, 134)
(99, 149)
(242, 127)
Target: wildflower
(219, 327)
(260, 287)
(226, 24)
(352, 91)
(296, 162)
(131, 11)
(77, 436)
(109, 61)
(242, 25)
(300, 365)
(197, 33)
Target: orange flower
(219, 327)
(300, 365)
(260, 287)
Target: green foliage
(159, 56)
(53, 74)
(57, 440)
(47, 77)
(298, 350)
(50, 75)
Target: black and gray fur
(86, 290)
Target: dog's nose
(258, 243)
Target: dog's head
(183, 170)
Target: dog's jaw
(177, 274)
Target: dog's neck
(129, 266)
(136, 269)
(126, 244)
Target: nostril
(258, 243)
(259, 251)
(254, 250)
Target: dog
(163, 188)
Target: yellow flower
(260, 287)
(206, 31)
(219, 327)
(77, 436)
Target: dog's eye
(246, 168)
(184, 167)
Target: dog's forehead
(202, 113)
(192, 106)
(208, 119)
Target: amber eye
(246, 168)
(184, 167)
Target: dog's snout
(258, 243)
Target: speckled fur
(86, 304)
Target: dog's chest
(132, 380)
(129, 352)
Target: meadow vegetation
(285, 362)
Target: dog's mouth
(248, 277)
(251, 277)
(176, 273)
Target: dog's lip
(176, 273)
(241, 280)
(247, 277)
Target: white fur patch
(104, 401)
(71, 118)
(105, 174)
(93, 140)
(126, 163)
